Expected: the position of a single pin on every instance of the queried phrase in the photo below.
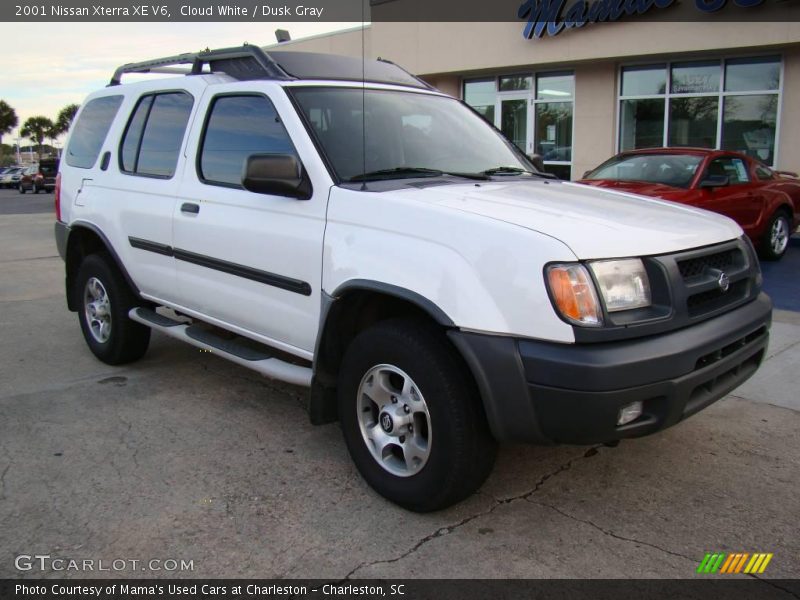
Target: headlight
(623, 283)
(574, 295)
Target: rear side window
(238, 126)
(90, 131)
(152, 140)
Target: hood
(593, 222)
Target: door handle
(190, 207)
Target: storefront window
(693, 121)
(695, 77)
(554, 131)
(515, 83)
(730, 104)
(481, 95)
(514, 121)
(552, 138)
(641, 124)
(534, 111)
(753, 74)
(748, 125)
(555, 86)
(644, 81)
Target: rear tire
(435, 449)
(104, 299)
(21, 189)
(776, 236)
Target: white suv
(380, 243)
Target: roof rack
(250, 62)
(242, 62)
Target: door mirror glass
(714, 181)
(276, 174)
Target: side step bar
(257, 360)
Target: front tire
(411, 416)
(776, 237)
(21, 189)
(104, 301)
(34, 189)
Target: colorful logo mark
(735, 562)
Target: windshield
(676, 170)
(407, 135)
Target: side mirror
(714, 181)
(276, 174)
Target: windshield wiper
(516, 171)
(397, 173)
(504, 171)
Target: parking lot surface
(184, 456)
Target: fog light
(629, 412)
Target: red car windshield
(676, 170)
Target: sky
(51, 65)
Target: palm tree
(65, 118)
(8, 119)
(37, 129)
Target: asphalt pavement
(184, 456)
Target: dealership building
(579, 97)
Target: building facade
(579, 97)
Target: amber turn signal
(573, 294)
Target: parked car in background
(41, 177)
(765, 202)
(11, 177)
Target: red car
(766, 203)
(41, 177)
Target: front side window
(731, 167)
(90, 131)
(404, 131)
(730, 104)
(152, 141)
(237, 127)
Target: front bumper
(546, 393)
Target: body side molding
(279, 281)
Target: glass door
(514, 121)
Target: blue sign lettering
(551, 16)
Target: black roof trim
(249, 62)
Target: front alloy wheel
(394, 420)
(412, 417)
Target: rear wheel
(776, 238)
(21, 189)
(104, 301)
(411, 416)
